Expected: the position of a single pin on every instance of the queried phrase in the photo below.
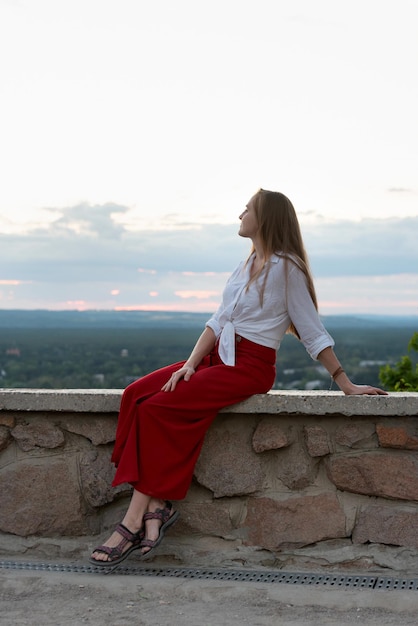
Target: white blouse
(240, 311)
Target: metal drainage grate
(321, 580)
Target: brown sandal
(117, 554)
(167, 518)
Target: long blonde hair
(280, 234)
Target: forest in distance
(108, 350)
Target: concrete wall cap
(274, 402)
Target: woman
(164, 416)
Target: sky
(133, 133)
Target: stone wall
(286, 478)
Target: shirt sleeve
(219, 318)
(213, 322)
(304, 315)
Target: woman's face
(249, 223)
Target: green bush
(404, 376)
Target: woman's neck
(257, 264)
(258, 250)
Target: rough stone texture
(298, 521)
(96, 475)
(99, 430)
(5, 437)
(37, 435)
(227, 464)
(386, 474)
(7, 420)
(212, 519)
(398, 436)
(353, 435)
(269, 436)
(385, 524)
(317, 442)
(42, 497)
(295, 468)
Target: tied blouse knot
(286, 299)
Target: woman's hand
(363, 390)
(185, 372)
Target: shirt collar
(273, 259)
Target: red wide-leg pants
(160, 434)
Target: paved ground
(44, 598)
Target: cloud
(389, 295)
(368, 247)
(83, 244)
(141, 270)
(11, 282)
(88, 258)
(87, 220)
(200, 294)
(400, 190)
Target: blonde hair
(280, 234)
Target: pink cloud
(197, 307)
(189, 273)
(200, 294)
(79, 305)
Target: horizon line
(188, 312)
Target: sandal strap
(127, 534)
(116, 551)
(104, 549)
(148, 543)
(161, 514)
(154, 515)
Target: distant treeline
(41, 318)
(100, 319)
(54, 350)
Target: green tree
(404, 376)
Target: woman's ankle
(156, 503)
(138, 506)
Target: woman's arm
(204, 345)
(329, 360)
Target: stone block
(296, 521)
(317, 442)
(227, 464)
(96, 475)
(206, 518)
(269, 436)
(37, 434)
(387, 525)
(41, 497)
(7, 420)
(355, 434)
(397, 436)
(295, 468)
(385, 474)
(5, 437)
(99, 430)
